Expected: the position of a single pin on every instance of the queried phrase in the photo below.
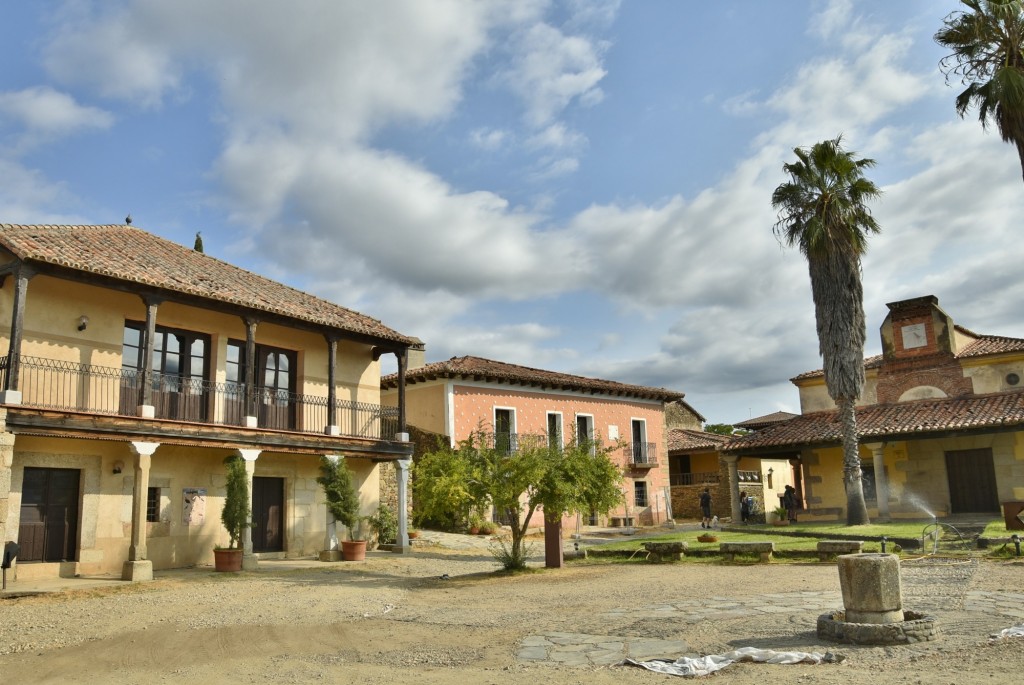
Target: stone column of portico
(402, 545)
(881, 482)
(138, 567)
(250, 562)
(734, 486)
(6, 462)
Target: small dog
(714, 522)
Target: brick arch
(948, 378)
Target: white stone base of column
(251, 422)
(250, 562)
(330, 555)
(147, 411)
(10, 397)
(137, 571)
(399, 549)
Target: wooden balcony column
(734, 486)
(250, 562)
(147, 410)
(251, 419)
(402, 356)
(332, 427)
(10, 393)
(138, 567)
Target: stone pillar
(6, 462)
(881, 482)
(138, 567)
(871, 588)
(331, 552)
(734, 486)
(250, 562)
(402, 545)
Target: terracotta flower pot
(353, 550)
(227, 559)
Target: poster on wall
(193, 510)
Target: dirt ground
(395, 619)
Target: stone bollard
(871, 588)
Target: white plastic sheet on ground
(705, 665)
(1014, 631)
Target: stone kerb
(828, 548)
(764, 549)
(665, 551)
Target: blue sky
(581, 186)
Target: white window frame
(561, 428)
(512, 425)
(591, 435)
(643, 437)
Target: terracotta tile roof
(991, 344)
(127, 253)
(903, 420)
(766, 420)
(869, 363)
(478, 368)
(686, 440)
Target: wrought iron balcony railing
(69, 386)
(641, 454)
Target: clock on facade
(914, 335)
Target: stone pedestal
(137, 571)
(871, 588)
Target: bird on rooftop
(128, 219)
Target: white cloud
(551, 69)
(557, 137)
(46, 112)
(488, 138)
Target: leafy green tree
(987, 45)
(719, 428)
(475, 475)
(823, 210)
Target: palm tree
(987, 56)
(823, 210)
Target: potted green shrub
(385, 527)
(343, 503)
(234, 515)
(781, 516)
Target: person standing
(705, 508)
(745, 507)
(789, 501)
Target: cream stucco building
(128, 382)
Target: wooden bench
(826, 548)
(664, 551)
(729, 550)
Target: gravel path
(396, 619)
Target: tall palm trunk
(856, 508)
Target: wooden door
(49, 515)
(267, 514)
(972, 481)
(275, 383)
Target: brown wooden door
(49, 515)
(267, 514)
(972, 481)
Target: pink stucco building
(455, 397)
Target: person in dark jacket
(705, 508)
(745, 507)
(791, 502)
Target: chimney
(417, 356)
